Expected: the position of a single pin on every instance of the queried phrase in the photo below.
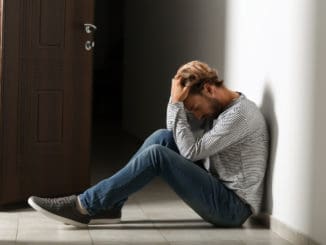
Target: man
(213, 154)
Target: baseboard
(283, 230)
(262, 219)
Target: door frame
(1, 88)
(10, 65)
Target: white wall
(271, 56)
(318, 191)
(159, 37)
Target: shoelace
(59, 202)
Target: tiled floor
(155, 215)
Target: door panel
(54, 98)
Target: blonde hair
(196, 73)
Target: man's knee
(159, 155)
(163, 133)
(162, 137)
(156, 150)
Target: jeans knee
(163, 134)
(156, 150)
(161, 137)
(158, 155)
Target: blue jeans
(159, 156)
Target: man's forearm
(177, 122)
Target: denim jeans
(159, 156)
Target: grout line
(90, 235)
(154, 227)
(160, 231)
(17, 229)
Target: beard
(214, 106)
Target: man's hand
(178, 91)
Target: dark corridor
(108, 61)
(111, 147)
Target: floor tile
(6, 242)
(272, 240)
(36, 229)
(134, 228)
(8, 226)
(220, 242)
(138, 234)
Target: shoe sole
(54, 216)
(104, 221)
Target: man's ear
(208, 89)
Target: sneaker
(61, 209)
(64, 210)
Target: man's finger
(176, 80)
(187, 87)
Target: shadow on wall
(267, 109)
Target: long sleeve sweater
(233, 147)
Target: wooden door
(46, 98)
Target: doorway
(111, 146)
(108, 61)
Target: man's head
(196, 74)
(203, 100)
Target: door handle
(89, 28)
(89, 45)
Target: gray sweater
(233, 147)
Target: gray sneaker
(64, 210)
